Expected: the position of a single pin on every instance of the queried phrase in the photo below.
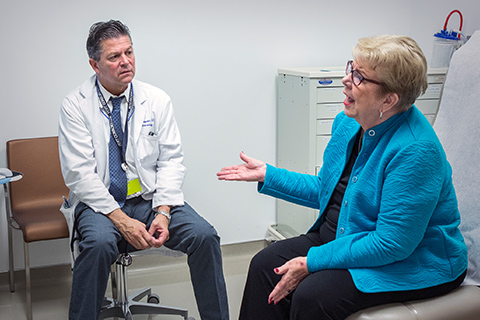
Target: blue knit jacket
(398, 225)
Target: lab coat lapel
(139, 115)
(97, 124)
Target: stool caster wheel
(153, 298)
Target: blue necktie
(118, 177)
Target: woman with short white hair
(388, 225)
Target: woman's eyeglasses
(357, 78)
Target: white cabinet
(308, 99)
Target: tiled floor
(168, 277)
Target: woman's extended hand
(294, 271)
(251, 170)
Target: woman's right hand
(251, 170)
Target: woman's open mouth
(348, 100)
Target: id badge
(133, 187)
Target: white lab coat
(84, 134)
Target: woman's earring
(381, 114)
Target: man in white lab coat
(109, 122)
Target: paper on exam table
(458, 127)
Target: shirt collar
(107, 95)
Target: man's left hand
(159, 229)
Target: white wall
(217, 60)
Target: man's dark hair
(101, 31)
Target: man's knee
(98, 245)
(205, 236)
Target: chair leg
(27, 281)
(11, 270)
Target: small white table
(5, 181)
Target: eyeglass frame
(350, 70)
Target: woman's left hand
(294, 271)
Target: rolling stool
(124, 306)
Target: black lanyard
(106, 111)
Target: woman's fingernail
(276, 270)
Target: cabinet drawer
(322, 142)
(329, 110)
(433, 91)
(330, 94)
(427, 106)
(436, 78)
(324, 126)
(330, 82)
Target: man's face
(116, 66)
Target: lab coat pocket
(68, 212)
(148, 149)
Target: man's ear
(390, 100)
(94, 65)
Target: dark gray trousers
(101, 242)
